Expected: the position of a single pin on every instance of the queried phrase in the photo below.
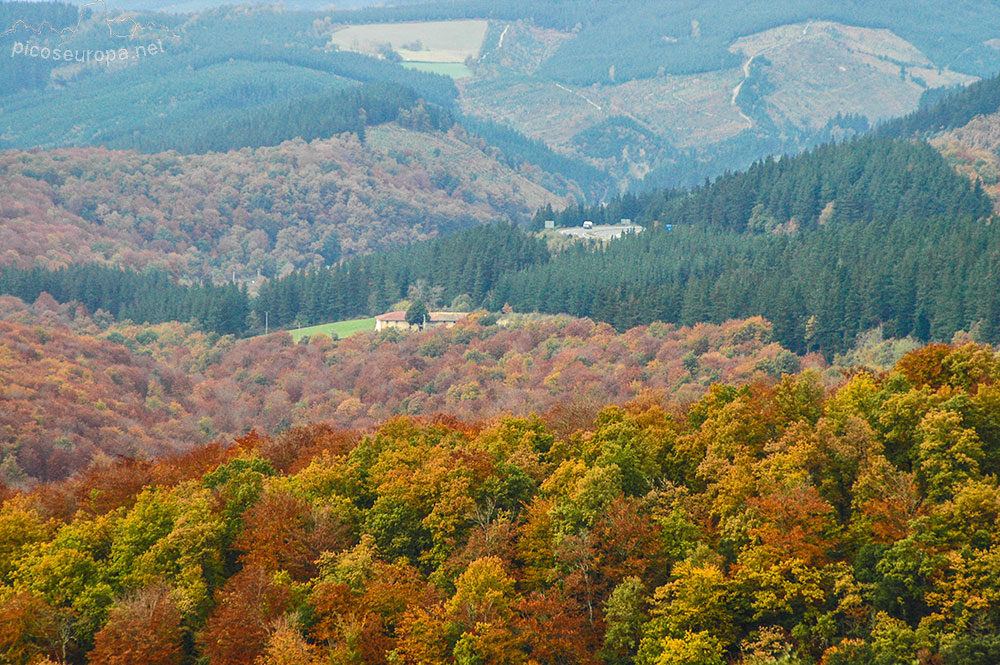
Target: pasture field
(423, 41)
(341, 329)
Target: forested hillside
(465, 266)
(140, 391)
(50, 17)
(147, 297)
(950, 112)
(762, 428)
(69, 399)
(965, 128)
(218, 44)
(820, 289)
(272, 209)
(225, 79)
(826, 245)
(863, 179)
(666, 96)
(762, 524)
(308, 118)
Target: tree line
(466, 263)
(826, 245)
(955, 109)
(310, 117)
(862, 178)
(148, 297)
(821, 289)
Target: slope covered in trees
(465, 265)
(857, 180)
(658, 96)
(215, 65)
(826, 245)
(308, 118)
(66, 399)
(965, 128)
(950, 112)
(762, 524)
(48, 17)
(187, 386)
(150, 297)
(224, 79)
(272, 209)
(821, 290)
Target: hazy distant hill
(223, 79)
(653, 94)
(199, 5)
(668, 93)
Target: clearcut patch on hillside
(792, 84)
(424, 41)
(815, 70)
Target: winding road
(736, 91)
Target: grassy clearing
(341, 329)
(456, 70)
(423, 41)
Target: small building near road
(397, 320)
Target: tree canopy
(762, 523)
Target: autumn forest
(777, 521)
(500, 333)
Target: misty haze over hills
(687, 92)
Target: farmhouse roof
(435, 317)
(446, 317)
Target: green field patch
(341, 329)
(455, 70)
(421, 41)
